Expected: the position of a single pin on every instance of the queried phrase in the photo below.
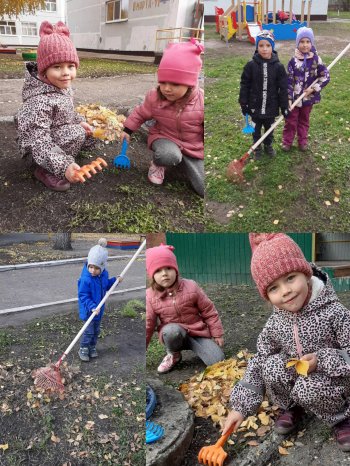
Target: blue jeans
(89, 338)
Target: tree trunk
(62, 241)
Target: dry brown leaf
(283, 451)
(276, 222)
(337, 192)
(103, 416)
(336, 199)
(327, 203)
(54, 438)
(253, 443)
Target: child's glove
(245, 109)
(285, 112)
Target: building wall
(87, 21)
(38, 18)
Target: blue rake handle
(122, 160)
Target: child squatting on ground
(303, 69)
(308, 323)
(50, 132)
(187, 319)
(92, 286)
(177, 106)
(264, 90)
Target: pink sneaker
(169, 362)
(156, 174)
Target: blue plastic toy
(122, 160)
(248, 129)
(154, 432)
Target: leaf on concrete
(283, 451)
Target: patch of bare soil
(111, 201)
(99, 419)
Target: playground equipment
(247, 18)
(85, 170)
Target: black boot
(269, 150)
(258, 153)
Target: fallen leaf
(54, 438)
(253, 443)
(301, 367)
(287, 444)
(240, 215)
(327, 203)
(280, 186)
(283, 451)
(264, 419)
(4, 446)
(103, 416)
(336, 199)
(89, 425)
(276, 222)
(337, 192)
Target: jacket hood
(327, 296)
(274, 58)
(33, 86)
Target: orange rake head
(87, 170)
(49, 378)
(214, 455)
(234, 170)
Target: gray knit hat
(98, 254)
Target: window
(29, 29)
(8, 28)
(117, 10)
(50, 5)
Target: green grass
(132, 308)
(12, 66)
(155, 353)
(293, 187)
(342, 14)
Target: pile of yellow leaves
(107, 124)
(208, 394)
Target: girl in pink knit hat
(183, 314)
(177, 106)
(50, 132)
(308, 323)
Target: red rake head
(234, 170)
(85, 170)
(49, 378)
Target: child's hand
(290, 103)
(70, 172)
(285, 112)
(219, 341)
(245, 109)
(125, 136)
(233, 421)
(311, 358)
(88, 129)
(309, 91)
(96, 311)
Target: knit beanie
(275, 255)
(158, 257)
(55, 46)
(181, 63)
(305, 33)
(265, 35)
(98, 254)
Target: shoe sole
(345, 447)
(165, 372)
(157, 183)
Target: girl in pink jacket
(308, 323)
(183, 314)
(177, 106)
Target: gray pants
(176, 339)
(168, 154)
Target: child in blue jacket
(92, 286)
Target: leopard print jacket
(48, 127)
(321, 327)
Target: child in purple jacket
(303, 69)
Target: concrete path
(40, 285)
(117, 92)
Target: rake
(234, 171)
(248, 129)
(154, 432)
(122, 160)
(49, 377)
(85, 170)
(214, 455)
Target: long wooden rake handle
(299, 99)
(115, 284)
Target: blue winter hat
(265, 35)
(305, 33)
(98, 254)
